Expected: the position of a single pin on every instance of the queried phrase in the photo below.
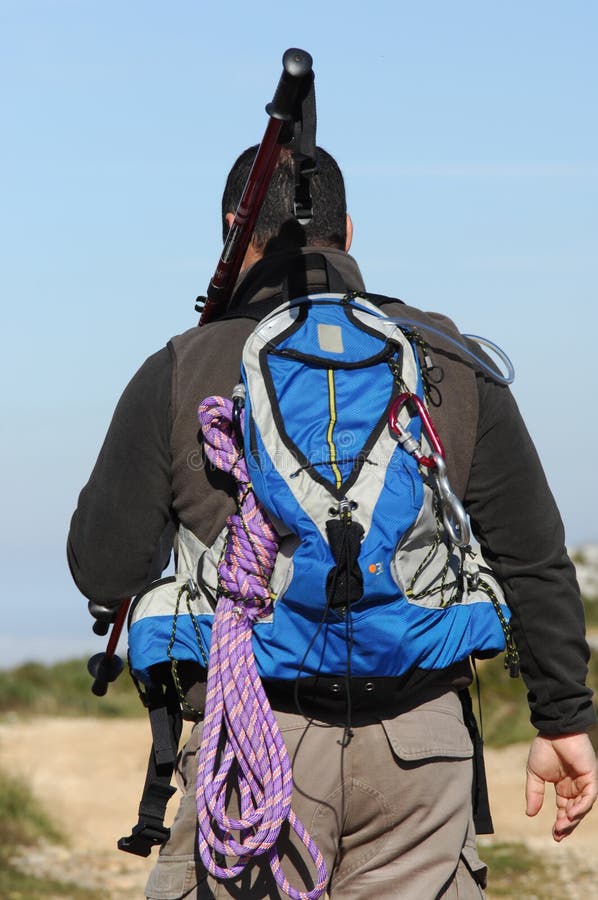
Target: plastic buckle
(303, 209)
(143, 837)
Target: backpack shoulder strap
(297, 277)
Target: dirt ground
(89, 773)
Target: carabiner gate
(405, 437)
(454, 516)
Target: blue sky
(467, 134)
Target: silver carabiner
(453, 515)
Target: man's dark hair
(276, 225)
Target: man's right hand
(569, 762)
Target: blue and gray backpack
(375, 575)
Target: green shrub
(64, 689)
(516, 871)
(23, 823)
(22, 820)
(503, 701)
(591, 608)
(505, 713)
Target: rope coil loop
(240, 729)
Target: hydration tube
(509, 378)
(494, 373)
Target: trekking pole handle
(106, 667)
(117, 627)
(296, 68)
(296, 77)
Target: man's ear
(252, 254)
(349, 237)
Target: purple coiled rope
(239, 725)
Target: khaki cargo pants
(390, 812)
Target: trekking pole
(284, 111)
(106, 667)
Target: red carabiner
(406, 438)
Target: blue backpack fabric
(367, 581)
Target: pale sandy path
(89, 774)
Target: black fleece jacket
(121, 533)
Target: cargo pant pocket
(173, 878)
(470, 878)
(433, 730)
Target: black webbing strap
(166, 721)
(304, 154)
(482, 817)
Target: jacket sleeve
(120, 535)
(516, 520)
